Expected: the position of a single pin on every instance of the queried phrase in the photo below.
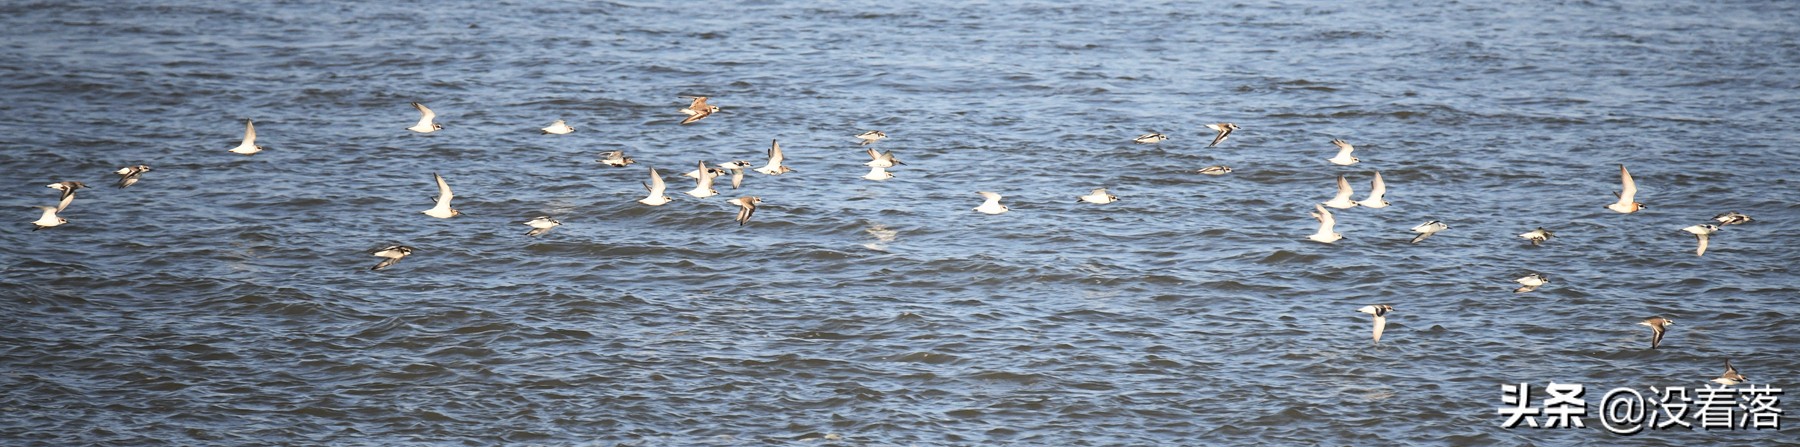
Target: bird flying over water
(746, 208)
(129, 175)
(558, 128)
(615, 159)
(1377, 189)
(775, 158)
(992, 205)
(1224, 130)
(656, 188)
(49, 219)
(870, 137)
(443, 209)
(393, 253)
(541, 225)
(1215, 170)
(1343, 157)
(68, 193)
(703, 186)
(1098, 195)
(1342, 199)
(697, 109)
(1701, 232)
(1731, 376)
(1658, 326)
(1627, 193)
(425, 124)
(1427, 229)
(1733, 218)
(1537, 236)
(1326, 222)
(1150, 138)
(1380, 311)
(249, 145)
(1531, 282)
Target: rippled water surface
(227, 300)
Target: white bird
(541, 225)
(1627, 192)
(1702, 232)
(870, 137)
(1343, 156)
(1215, 170)
(1380, 312)
(878, 173)
(1342, 199)
(737, 177)
(992, 205)
(68, 193)
(1224, 130)
(393, 253)
(1537, 236)
(1427, 229)
(1325, 223)
(703, 187)
(49, 219)
(615, 159)
(774, 167)
(697, 109)
(656, 188)
(881, 160)
(746, 208)
(1531, 282)
(425, 124)
(249, 146)
(558, 128)
(1099, 196)
(129, 175)
(1377, 189)
(443, 209)
(716, 172)
(1150, 138)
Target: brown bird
(1658, 326)
(698, 109)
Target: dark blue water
(226, 299)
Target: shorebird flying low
(881, 159)
(558, 128)
(443, 209)
(878, 174)
(49, 219)
(1380, 311)
(541, 225)
(393, 253)
(1702, 232)
(703, 187)
(870, 137)
(426, 118)
(1427, 229)
(992, 205)
(697, 109)
(1343, 157)
(1537, 236)
(1326, 222)
(1223, 129)
(1627, 193)
(1733, 218)
(746, 208)
(68, 193)
(1342, 199)
(1215, 170)
(129, 175)
(1731, 376)
(615, 159)
(1531, 282)
(1150, 138)
(775, 158)
(249, 145)
(1098, 195)
(1377, 189)
(656, 188)
(1658, 326)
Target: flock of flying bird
(879, 163)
